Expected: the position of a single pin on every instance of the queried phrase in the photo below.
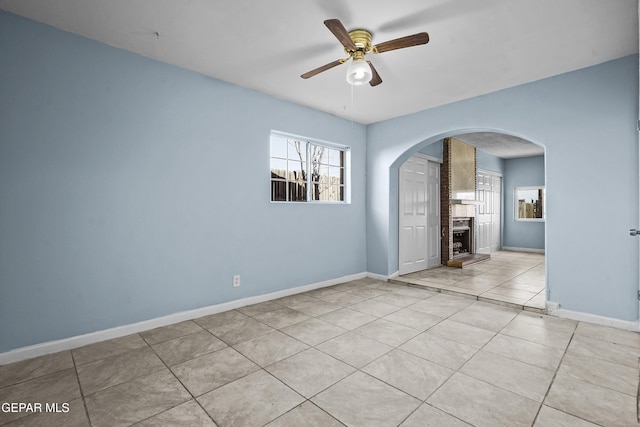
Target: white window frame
(516, 210)
(309, 185)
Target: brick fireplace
(458, 204)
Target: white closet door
(496, 213)
(488, 214)
(419, 215)
(483, 213)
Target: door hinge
(638, 295)
(638, 125)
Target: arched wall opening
(401, 158)
(499, 165)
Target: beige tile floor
(516, 279)
(364, 353)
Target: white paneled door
(488, 218)
(419, 215)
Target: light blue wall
(489, 162)
(523, 172)
(131, 189)
(433, 150)
(586, 121)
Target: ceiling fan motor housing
(362, 40)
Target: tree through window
(303, 170)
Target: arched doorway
(516, 272)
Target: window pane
(336, 174)
(320, 192)
(278, 191)
(335, 157)
(318, 154)
(297, 150)
(297, 171)
(321, 174)
(278, 168)
(297, 192)
(279, 147)
(328, 193)
(334, 193)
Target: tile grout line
(82, 396)
(424, 401)
(292, 355)
(555, 374)
(397, 348)
(356, 369)
(360, 370)
(317, 349)
(501, 388)
(180, 381)
(467, 361)
(461, 366)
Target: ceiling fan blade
(341, 33)
(375, 78)
(402, 42)
(323, 68)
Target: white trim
(516, 207)
(553, 309)
(315, 140)
(381, 276)
(508, 248)
(488, 172)
(427, 157)
(49, 347)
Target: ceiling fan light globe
(359, 73)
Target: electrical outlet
(236, 280)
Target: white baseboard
(49, 347)
(380, 276)
(553, 309)
(537, 251)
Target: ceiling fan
(357, 44)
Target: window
(529, 204)
(307, 171)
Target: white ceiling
(476, 46)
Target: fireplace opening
(461, 236)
